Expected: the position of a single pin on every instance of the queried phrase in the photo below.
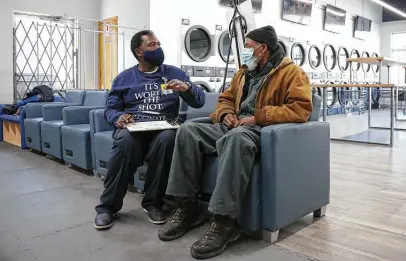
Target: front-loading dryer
(355, 67)
(223, 49)
(375, 70)
(198, 43)
(343, 65)
(298, 53)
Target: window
(397, 73)
(398, 41)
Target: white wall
(166, 18)
(78, 8)
(131, 13)
(387, 29)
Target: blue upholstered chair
(103, 140)
(76, 138)
(290, 178)
(33, 121)
(51, 140)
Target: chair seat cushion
(35, 120)
(13, 118)
(81, 128)
(52, 123)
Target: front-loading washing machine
(343, 65)
(375, 69)
(203, 77)
(198, 43)
(366, 68)
(285, 43)
(220, 72)
(331, 77)
(298, 52)
(223, 48)
(355, 67)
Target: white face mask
(249, 59)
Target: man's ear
(139, 52)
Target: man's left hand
(177, 85)
(246, 121)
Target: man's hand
(123, 120)
(246, 121)
(177, 85)
(231, 120)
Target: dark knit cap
(266, 35)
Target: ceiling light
(389, 7)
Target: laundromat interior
(331, 188)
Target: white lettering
(150, 107)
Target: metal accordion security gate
(45, 53)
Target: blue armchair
(286, 183)
(76, 138)
(103, 140)
(51, 140)
(33, 121)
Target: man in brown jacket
(268, 89)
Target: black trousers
(129, 152)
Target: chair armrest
(34, 110)
(53, 112)
(73, 115)
(295, 161)
(201, 120)
(100, 123)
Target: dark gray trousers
(129, 152)
(236, 150)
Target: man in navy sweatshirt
(137, 95)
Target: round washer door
(314, 57)
(355, 66)
(329, 57)
(224, 47)
(366, 67)
(298, 54)
(344, 95)
(198, 43)
(343, 55)
(332, 96)
(203, 85)
(375, 68)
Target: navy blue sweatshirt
(140, 94)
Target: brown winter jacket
(285, 96)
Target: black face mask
(154, 58)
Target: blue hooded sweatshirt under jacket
(140, 94)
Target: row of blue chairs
(290, 179)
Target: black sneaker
(185, 218)
(221, 232)
(155, 215)
(103, 221)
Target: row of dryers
(199, 47)
(210, 79)
(328, 58)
